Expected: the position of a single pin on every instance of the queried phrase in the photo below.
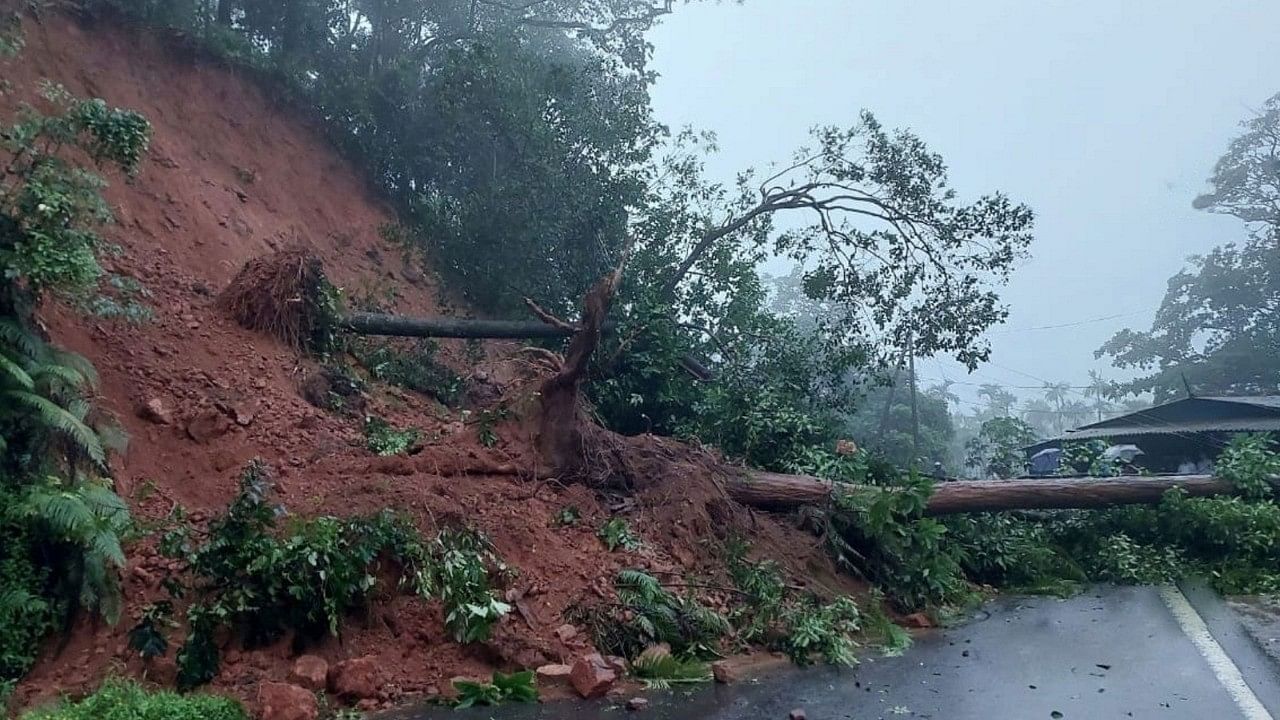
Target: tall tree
(1218, 328)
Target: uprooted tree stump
(284, 294)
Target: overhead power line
(1089, 321)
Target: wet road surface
(1110, 653)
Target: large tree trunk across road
(774, 491)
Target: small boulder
(553, 674)
(310, 671)
(208, 425)
(566, 632)
(617, 664)
(591, 676)
(355, 679)
(724, 672)
(282, 701)
(154, 410)
(918, 620)
(637, 703)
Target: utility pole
(915, 412)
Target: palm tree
(1056, 393)
(943, 392)
(1101, 390)
(999, 401)
(1042, 416)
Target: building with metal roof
(1191, 430)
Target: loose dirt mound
(232, 177)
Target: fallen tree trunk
(451, 327)
(774, 491)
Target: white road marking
(1225, 670)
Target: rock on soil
(637, 703)
(551, 674)
(918, 620)
(355, 679)
(208, 425)
(591, 676)
(310, 672)
(724, 672)
(282, 701)
(154, 410)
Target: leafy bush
(646, 614)
(59, 519)
(383, 438)
(259, 583)
(415, 368)
(48, 205)
(799, 626)
(1250, 462)
(126, 700)
(825, 629)
(616, 533)
(517, 687)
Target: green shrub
(646, 614)
(126, 700)
(382, 438)
(415, 368)
(248, 576)
(616, 533)
(517, 687)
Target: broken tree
(774, 491)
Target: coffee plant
(248, 575)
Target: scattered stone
(797, 714)
(208, 425)
(637, 703)
(153, 410)
(724, 672)
(617, 664)
(367, 705)
(553, 674)
(356, 678)
(310, 671)
(591, 676)
(918, 620)
(566, 632)
(144, 577)
(282, 701)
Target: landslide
(234, 175)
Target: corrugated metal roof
(1271, 424)
(1267, 401)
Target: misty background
(1105, 117)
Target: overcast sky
(1106, 116)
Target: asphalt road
(1111, 653)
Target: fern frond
(76, 363)
(59, 377)
(112, 435)
(79, 407)
(15, 336)
(64, 511)
(53, 416)
(15, 373)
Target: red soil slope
(232, 175)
